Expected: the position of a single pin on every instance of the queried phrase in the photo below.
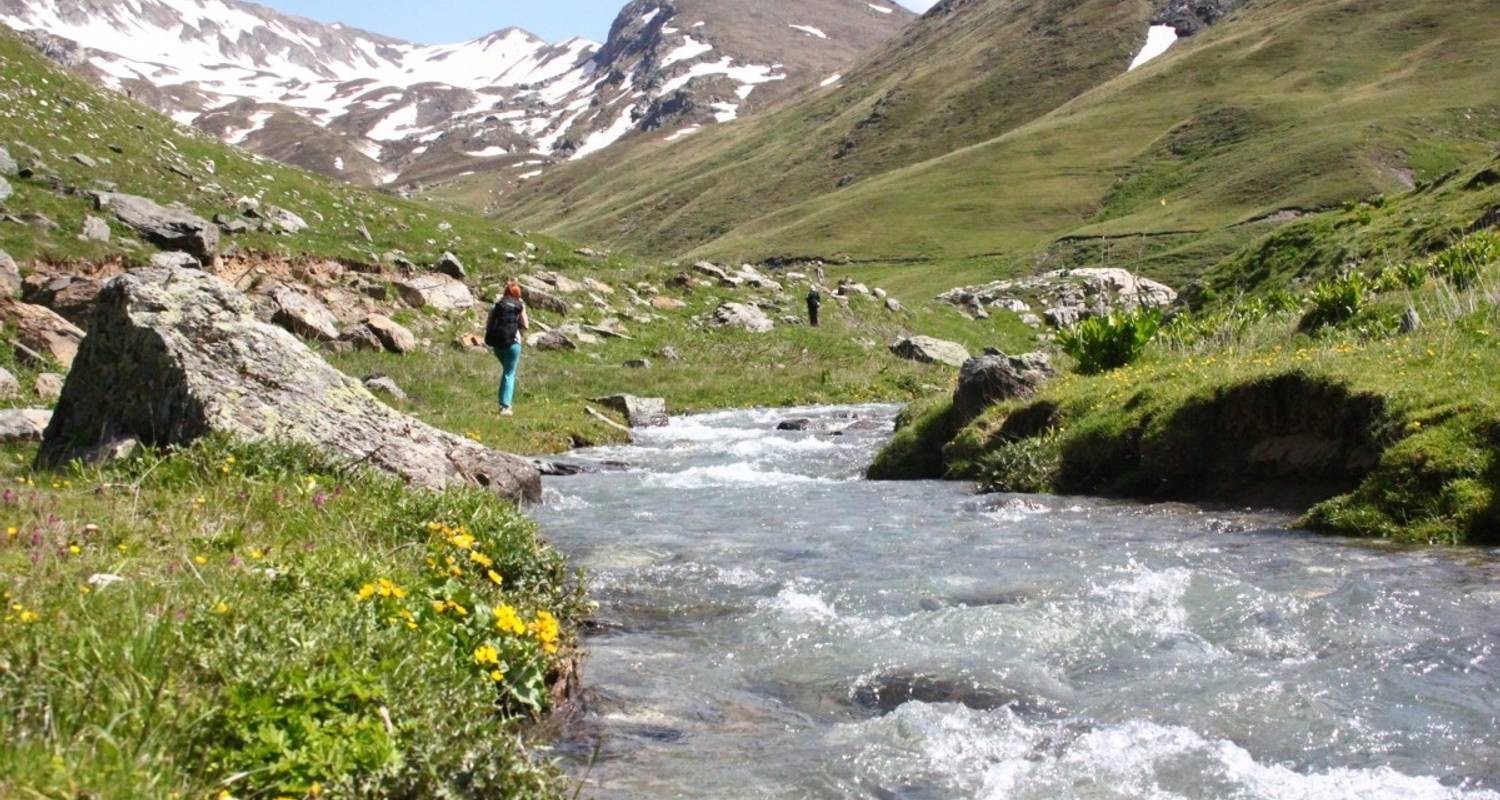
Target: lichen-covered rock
(42, 330)
(167, 228)
(175, 355)
(10, 276)
(551, 340)
(448, 264)
(995, 378)
(927, 350)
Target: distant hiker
(502, 333)
(814, 304)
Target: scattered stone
(794, 425)
(681, 280)
(23, 424)
(609, 329)
(550, 341)
(638, 363)
(1411, 321)
(640, 412)
(40, 221)
(197, 362)
(167, 228)
(711, 270)
(8, 165)
(927, 350)
(380, 332)
(886, 692)
(448, 264)
(5, 190)
(543, 300)
(893, 305)
(85, 160)
(669, 353)
(435, 290)
(664, 303)
(9, 385)
(72, 296)
(231, 226)
(588, 252)
(94, 229)
(599, 286)
(41, 330)
(469, 341)
(303, 315)
(281, 218)
(739, 315)
(48, 386)
(381, 384)
(991, 379)
(174, 260)
(848, 288)
(10, 276)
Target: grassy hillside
(1286, 104)
(52, 115)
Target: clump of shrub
(1334, 302)
(1027, 465)
(1410, 276)
(1101, 344)
(1462, 263)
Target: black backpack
(504, 326)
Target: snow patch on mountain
(1159, 39)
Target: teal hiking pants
(510, 361)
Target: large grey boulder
(542, 299)
(992, 379)
(927, 350)
(435, 290)
(167, 228)
(23, 424)
(641, 412)
(303, 315)
(41, 331)
(739, 315)
(550, 340)
(175, 355)
(94, 229)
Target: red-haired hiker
(503, 335)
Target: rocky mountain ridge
(376, 110)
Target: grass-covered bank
(1326, 400)
(243, 620)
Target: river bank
(768, 619)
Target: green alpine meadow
(799, 398)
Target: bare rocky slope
(377, 110)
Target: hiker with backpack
(502, 333)
(814, 304)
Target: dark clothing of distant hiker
(814, 305)
(502, 333)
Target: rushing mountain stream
(772, 626)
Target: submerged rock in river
(174, 355)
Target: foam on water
(738, 474)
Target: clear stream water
(761, 606)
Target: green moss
(916, 451)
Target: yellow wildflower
(84, 589)
(257, 554)
(485, 654)
(200, 560)
(481, 559)
(495, 577)
(74, 549)
(546, 631)
(462, 541)
(497, 676)
(27, 616)
(221, 607)
(366, 592)
(12, 532)
(508, 621)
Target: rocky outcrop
(739, 315)
(1191, 16)
(167, 228)
(544, 300)
(41, 331)
(551, 340)
(1068, 295)
(640, 412)
(927, 350)
(176, 355)
(996, 378)
(435, 290)
(72, 296)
